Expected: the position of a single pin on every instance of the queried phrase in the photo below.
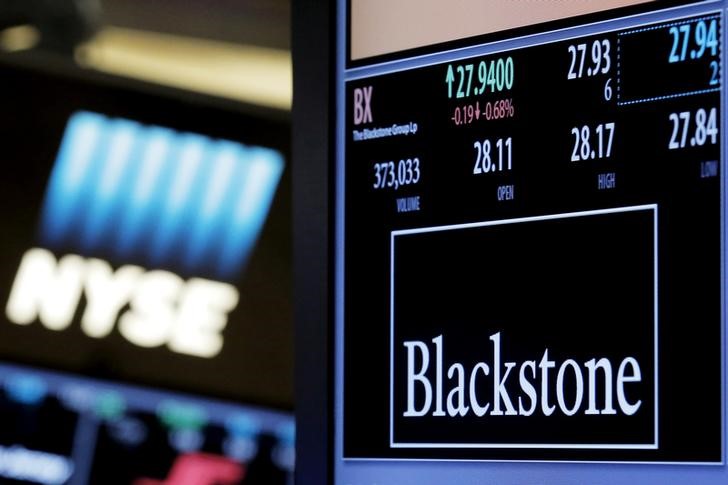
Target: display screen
(148, 232)
(145, 327)
(529, 247)
(60, 429)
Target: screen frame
(320, 33)
(314, 41)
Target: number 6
(608, 90)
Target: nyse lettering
(485, 388)
(152, 308)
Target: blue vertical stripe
(211, 219)
(181, 173)
(251, 208)
(69, 174)
(145, 179)
(108, 186)
(156, 197)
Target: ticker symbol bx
(363, 105)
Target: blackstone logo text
(484, 388)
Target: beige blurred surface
(385, 26)
(252, 74)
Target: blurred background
(236, 49)
(145, 265)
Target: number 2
(714, 76)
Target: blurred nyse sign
(183, 209)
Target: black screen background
(255, 364)
(547, 107)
